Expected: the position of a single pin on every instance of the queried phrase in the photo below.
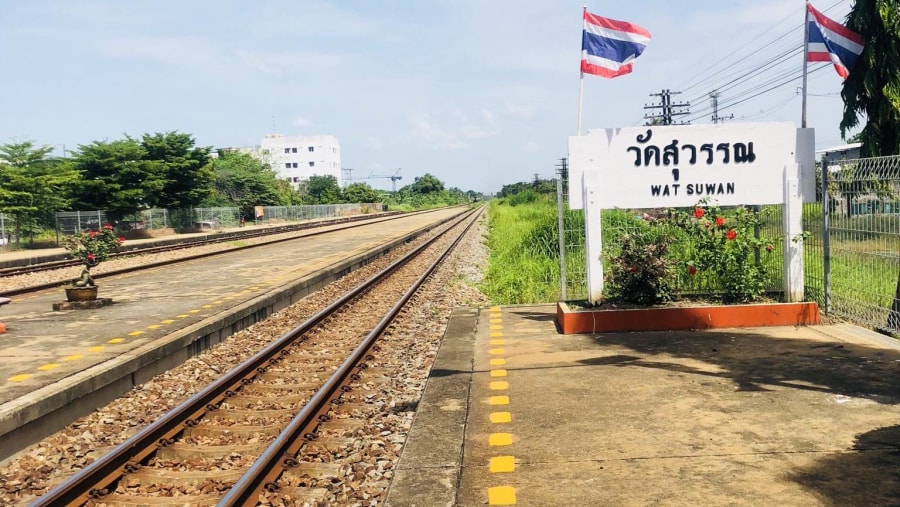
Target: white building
(299, 157)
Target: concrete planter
(588, 320)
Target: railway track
(284, 425)
(277, 234)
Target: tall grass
(524, 261)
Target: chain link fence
(851, 253)
(71, 222)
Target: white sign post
(677, 166)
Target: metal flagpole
(805, 60)
(581, 81)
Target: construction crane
(394, 177)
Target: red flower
(92, 234)
(692, 270)
(698, 213)
(731, 234)
(120, 239)
(91, 256)
(108, 227)
(769, 247)
(720, 221)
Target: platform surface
(515, 413)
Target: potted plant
(91, 248)
(719, 253)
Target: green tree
(872, 89)
(360, 192)
(242, 180)
(188, 178)
(427, 184)
(32, 185)
(322, 190)
(117, 177)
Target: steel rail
(91, 480)
(281, 452)
(53, 285)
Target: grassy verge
(523, 266)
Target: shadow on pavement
(869, 473)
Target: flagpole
(581, 80)
(805, 61)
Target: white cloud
(450, 130)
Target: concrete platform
(515, 413)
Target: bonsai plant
(91, 248)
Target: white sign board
(677, 166)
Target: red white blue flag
(608, 47)
(830, 41)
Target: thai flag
(830, 41)
(608, 46)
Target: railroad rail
(310, 229)
(231, 442)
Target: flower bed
(673, 318)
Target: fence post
(562, 238)
(826, 243)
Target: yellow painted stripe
(502, 495)
(206, 306)
(97, 348)
(48, 367)
(496, 321)
(496, 328)
(498, 400)
(499, 385)
(217, 302)
(497, 342)
(498, 373)
(73, 357)
(497, 352)
(503, 464)
(495, 309)
(19, 378)
(168, 321)
(501, 417)
(135, 333)
(116, 340)
(500, 439)
(182, 316)
(153, 326)
(193, 311)
(496, 334)
(498, 362)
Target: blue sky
(478, 93)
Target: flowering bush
(92, 248)
(640, 273)
(725, 246)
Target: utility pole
(669, 111)
(347, 174)
(562, 169)
(714, 95)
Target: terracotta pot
(81, 293)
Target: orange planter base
(694, 317)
